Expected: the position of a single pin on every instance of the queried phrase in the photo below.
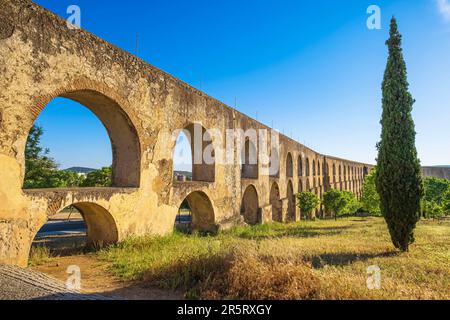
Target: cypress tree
(398, 175)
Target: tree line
(42, 171)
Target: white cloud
(444, 8)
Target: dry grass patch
(249, 276)
(39, 255)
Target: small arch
(289, 166)
(201, 211)
(249, 165)
(326, 170)
(365, 172)
(291, 202)
(250, 206)
(300, 166)
(275, 201)
(318, 167)
(307, 167)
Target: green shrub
(353, 204)
(335, 202)
(39, 255)
(435, 189)
(308, 202)
(370, 199)
(436, 203)
(446, 202)
(433, 210)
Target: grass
(39, 255)
(306, 260)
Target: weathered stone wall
(140, 106)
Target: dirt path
(95, 278)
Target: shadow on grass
(345, 259)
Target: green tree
(435, 188)
(68, 179)
(446, 202)
(398, 175)
(308, 203)
(40, 169)
(352, 205)
(370, 199)
(432, 209)
(436, 200)
(99, 178)
(335, 202)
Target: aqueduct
(41, 58)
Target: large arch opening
(250, 206)
(84, 131)
(249, 165)
(275, 201)
(196, 213)
(77, 228)
(289, 166)
(194, 155)
(291, 202)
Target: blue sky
(313, 69)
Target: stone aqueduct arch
(140, 106)
(250, 206)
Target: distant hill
(80, 170)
